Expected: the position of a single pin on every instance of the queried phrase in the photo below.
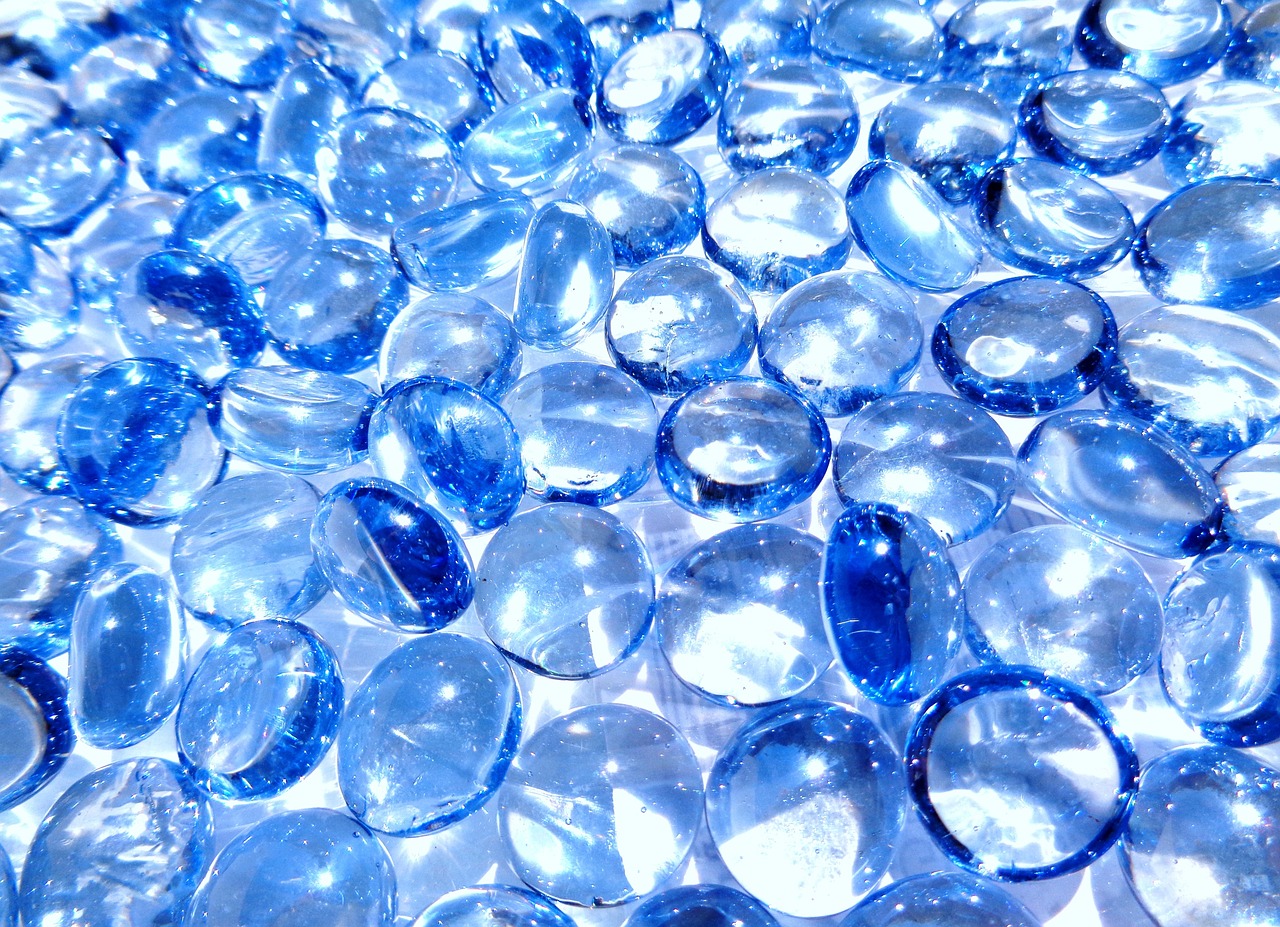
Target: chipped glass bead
(455, 337)
(664, 88)
(121, 84)
(704, 905)
(305, 107)
(616, 25)
(117, 236)
(29, 105)
(51, 180)
(566, 277)
(1007, 46)
(436, 86)
(601, 805)
(238, 42)
(37, 725)
(756, 33)
(464, 245)
(931, 455)
(483, 905)
(1250, 485)
(529, 46)
(804, 803)
(893, 39)
(530, 146)
(1254, 53)
(41, 311)
(940, 899)
(30, 407)
(430, 735)
(1228, 128)
(355, 39)
(198, 140)
(1164, 41)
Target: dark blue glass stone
(530, 46)
(1008, 46)
(985, 765)
(113, 239)
(451, 26)
(436, 86)
(1124, 480)
(531, 146)
(940, 899)
(741, 449)
(1250, 485)
(51, 180)
(198, 140)
(664, 88)
(482, 905)
(566, 277)
(128, 648)
(29, 105)
(260, 710)
(355, 39)
(1164, 41)
(1026, 345)
(121, 84)
(616, 25)
(454, 337)
(40, 311)
(37, 725)
(1255, 46)
(1229, 128)
(136, 441)
(243, 43)
(389, 558)
(759, 32)
(701, 906)
(890, 38)
(464, 245)
(305, 107)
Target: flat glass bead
(260, 710)
(1007, 46)
(238, 42)
(1228, 128)
(566, 277)
(529, 46)
(127, 648)
(483, 905)
(565, 590)
(616, 25)
(1250, 485)
(122, 83)
(680, 322)
(429, 735)
(705, 905)
(739, 619)
(305, 107)
(36, 727)
(464, 245)
(1098, 121)
(299, 869)
(1065, 602)
(907, 229)
(123, 845)
(758, 32)
(198, 140)
(52, 180)
(649, 199)
(664, 88)
(1254, 53)
(436, 86)
(776, 227)
(136, 441)
(42, 312)
(329, 308)
(1122, 479)
(931, 455)
(1164, 41)
(454, 337)
(586, 432)
(1025, 345)
(451, 26)
(940, 899)
(1189, 246)
(804, 803)
(601, 805)
(893, 39)
(355, 39)
(114, 238)
(29, 105)
(531, 146)
(391, 559)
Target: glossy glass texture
(454, 337)
(112, 239)
(664, 88)
(1250, 485)
(708, 905)
(941, 899)
(1229, 128)
(566, 277)
(240, 42)
(353, 38)
(40, 310)
(1164, 41)
(889, 38)
(31, 104)
(531, 146)
(36, 725)
(436, 86)
(51, 180)
(481, 905)
(1254, 53)
(1008, 46)
(120, 84)
(533, 45)
(452, 26)
(305, 107)
(616, 26)
(199, 139)
(758, 32)
(465, 245)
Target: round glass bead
(40, 311)
(29, 105)
(454, 337)
(353, 38)
(451, 26)
(436, 86)
(703, 905)
(566, 277)
(664, 88)
(1164, 41)
(484, 905)
(305, 108)
(755, 33)
(199, 139)
(51, 180)
(531, 146)
(1008, 46)
(616, 25)
(940, 899)
(533, 45)
(1254, 53)
(465, 245)
(117, 236)
(1230, 128)
(1250, 486)
(238, 42)
(37, 725)
(889, 38)
(121, 84)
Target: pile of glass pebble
(608, 462)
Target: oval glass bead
(113, 239)
(1254, 53)
(1164, 41)
(37, 725)
(531, 146)
(353, 38)
(41, 311)
(120, 84)
(940, 899)
(664, 88)
(454, 337)
(480, 905)
(889, 38)
(1224, 129)
(757, 33)
(198, 140)
(566, 277)
(533, 45)
(616, 26)
(1250, 485)
(429, 735)
(465, 245)
(708, 905)
(451, 26)
(436, 86)
(50, 181)
(29, 105)
(305, 107)
(239, 42)
(1007, 46)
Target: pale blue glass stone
(451, 26)
(35, 725)
(759, 32)
(586, 432)
(49, 41)
(941, 899)
(601, 806)
(1250, 485)
(43, 311)
(299, 869)
(454, 337)
(680, 322)
(198, 140)
(465, 245)
(30, 407)
(51, 180)
(777, 227)
(894, 39)
(738, 616)
(355, 39)
(128, 650)
(805, 803)
(701, 906)
(566, 277)
(114, 238)
(6, 368)
(616, 25)
(17, 255)
(664, 88)
(429, 735)
(908, 230)
(1255, 47)
(298, 421)
(306, 105)
(1124, 480)
(934, 456)
(243, 43)
(260, 710)
(565, 591)
(1164, 41)
(8, 892)
(122, 83)
(649, 199)
(1007, 46)
(125, 846)
(529, 46)
(485, 905)
(531, 146)
(1229, 128)
(29, 105)
(436, 86)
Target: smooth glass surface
(1254, 53)
(30, 407)
(454, 337)
(465, 245)
(482, 905)
(436, 86)
(39, 311)
(199, 139)
(708, 905)
(531, 146)
(50, 181)
(941, 899)
(566, 277)
(890, 38)
(1228, 128)
(35, 726)
(121, 83)
(115, 237)
(1250, 485)
(664, 88)
(755, 33)
(1008, 46)
(1164, 41)
(239, 42)
(305, 107)
(533, 45)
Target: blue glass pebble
(566, 277)
(6, 368)
(50, 181)
(389, 558)
(1250, 486)
(199, 139)
(49, 41)
(128, 650)
(451, 26)
(529, 46)
(8, 892)
(17, 252)
(703, 905)
(754, 33)
(664, 88)
(940, 899)
(37, 725)
(29, 105)
(429, 735)
(1164, 41)
(1008, 46)
(436, 86)
(1122, 479)
(893, 39)
(243, 43)
(455, 337)
(616, 26)
(1254, 53)
(355, 39)
(306, 105)
(481, 905)
(122, 83)
(805, 803)
(42, 311)
(601, 805)
(530, 146)
(1228, 128)
(464, 245)
(114, 238)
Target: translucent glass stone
(1189, 247)
(199, 139)
(1008, 45)
(429, 735)
(940, 899)
(123, 845)
(1254, 53)
(298, 869)
(1123, 480)
(260, 710)
(601, 805)
(451, 26)
(36, 726)
(453, 337)
(121, 84)
(305, 107)
(40, 312)
(1100, 121)
(680, 322)
(664, 88)
(465, 245)
(1018, 775)
(776, 227)
(355, 39)
(649, 199)
(758, 32)
(451, 446)
(616, 26)
(586, 432)
(1165, 41)
(1250, 485)
(299, 421)
(1224, 129)
(1207, 810)
(391, 559)
(907, 229)
(52, 180)
(380, 167)
(566, 277)
(931, 455)
(127, 648)
(529, 46)
(1026, 345)
(804, 803)
(531, 146)
(1065, 602)
(842, 339)
(482, 905)
(889, 38)
(329, 308)
(707, 905)
(29, 105)
(114, 238)
(8, 892)
(239, 42)
(17, 253)
(436, 86)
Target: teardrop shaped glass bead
(756, 33)
(436, 86)
(50, 181)
(429, 735)
(238, 42)
(616, 26)
(893, 39)
(1008, 46)
(529, 46)
(117, 236)
(707, 905)
(453, 337)
(1228, 128)
(121, 83)
(940, 899)
(37, 725)
(41, 311)
(1164, 41)
(1254, 53)
(464, 245)
(566, 277)
(664, 88)
(198, 140)
(305, 108)
(480, 905)
(1250, 485)
(531, 146)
